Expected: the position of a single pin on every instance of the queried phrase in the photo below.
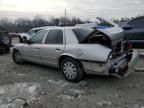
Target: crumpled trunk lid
(115, 34)
(121, 56)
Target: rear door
(53, 47)
(32, 51)
(136, 33)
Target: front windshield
(32, 32)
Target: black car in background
(134, 31)
(5, 41)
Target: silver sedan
(77, 51)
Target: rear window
(82, 33)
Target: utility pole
(65, 12)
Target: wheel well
(65, 56)
(62, 58)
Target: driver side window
(38, 37)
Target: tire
(17, 57)
(4, 39)
(7, 49)
(4, 49)
(72, 70)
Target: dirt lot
(45, 87)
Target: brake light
(130, 45)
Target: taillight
(129, 45)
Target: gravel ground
(45, 87)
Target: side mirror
(127, 27)
(25, 40)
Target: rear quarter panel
(94, 52)
(89, 52)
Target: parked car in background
(13, 34)
(77, 51)
(134, 31)
(31, 32)
(5, 41)
(98, 23)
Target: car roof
(86, 25)
(140, 17)
(43, 27)
(64, 28)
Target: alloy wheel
(70, 70)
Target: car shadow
(101, 78)
(42, 70)
(48, 72)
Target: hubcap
(17, 57)
(69, 70)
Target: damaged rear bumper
(121, 69)
(132, 63)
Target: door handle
(37, 48)
(57, 49)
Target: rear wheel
(17, 57)
(72, 70)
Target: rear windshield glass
(103, 23)
(82, 33)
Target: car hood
(25, 34)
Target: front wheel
(17, 57)
(72, 70)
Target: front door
(32, 51)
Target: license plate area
(123, 69)
(120, 67)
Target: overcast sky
(86, 9)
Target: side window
(70, 37)
(60, 37)
(54, 37)
(137, 23)
(38, 37)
